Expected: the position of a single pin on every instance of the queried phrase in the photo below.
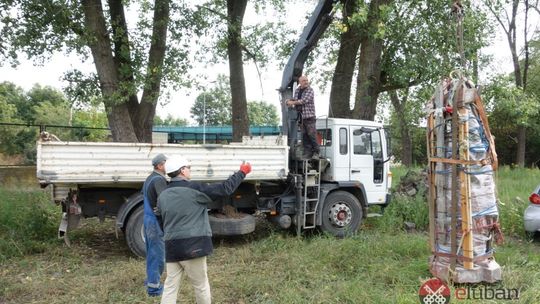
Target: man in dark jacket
(155, 250)
(182, 212)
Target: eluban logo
(486, 293)
(434, 291)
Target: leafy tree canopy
(215, 103)
(169, 121)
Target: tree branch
(156, 53)
(535, 7)
(122, 53)
(499, 19)
(396, 86)
(223, 16)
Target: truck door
(366, 162)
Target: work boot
(154, 292)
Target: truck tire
(135, 232)
(341, 214)
(232, 226)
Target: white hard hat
(175, 163)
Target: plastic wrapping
(476, 213)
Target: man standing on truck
(182, 213)
(155, 250)
(304, 100)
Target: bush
(405, 209)
(28, 222)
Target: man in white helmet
(182, 212)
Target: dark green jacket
(182, 212)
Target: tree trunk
(522, 139)
(123, 61)
(518, 78)
(144, 118)
(369, 74)
(100, 45)
(403, 125)
(240, 122)
(340, 93)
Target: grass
(27, 222)
(379, 265)
(513, 189)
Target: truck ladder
(311, 193)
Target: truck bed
(109, 163)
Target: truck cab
(358, 152)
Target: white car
(531, 216)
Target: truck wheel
(135, 232)
(341, 214)
(232, 226)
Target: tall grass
(27, 222)
(513, 189)
(404, 209)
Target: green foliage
(16, 107)
(261, 113)
(169, 121)
(89, 118)
(510, 102)
(418, 140)
(14, 95)
(404, 208)
(421, 41)
(261, 38)
(44, 106)
(83, 89)
(8, 113)
(410, 112)
(505, 103)
(215, 103)
(27, 223)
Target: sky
(27, 74)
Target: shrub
(28, 222)
(404, 209)
(406, 206)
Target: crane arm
(316, 26)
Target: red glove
(245, 167)
(448, 109)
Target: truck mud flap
(71, 218)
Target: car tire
(134, 233)
(232, 226)
(341, 214)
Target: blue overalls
(155, 248)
